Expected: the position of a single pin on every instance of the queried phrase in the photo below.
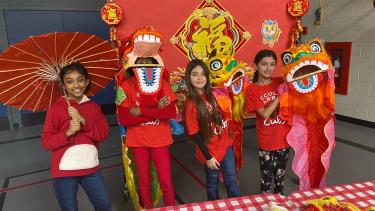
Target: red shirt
(272, 131)
(154, 133)
(217, 146)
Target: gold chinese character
(211, 36)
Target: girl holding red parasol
(73, 129)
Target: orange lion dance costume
(307, 103)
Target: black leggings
(272, 166)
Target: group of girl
(207, 127)
(75, 126)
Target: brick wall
(350, 21)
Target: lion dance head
(309, 75)
(230, 74)
(140, 57)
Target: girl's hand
(277, 99)
(213, 164)
(74, 114)
(135, 111)
(267, 112)
(283, 88)
(164, 101)
(74, 127)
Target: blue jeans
(228, 167)
(66, 191)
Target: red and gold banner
(239, 17)
(209, 27)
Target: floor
(24, 172)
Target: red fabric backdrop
(167, 16)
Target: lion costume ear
(126, 43)
(212, 54)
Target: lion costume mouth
(237, 75)
(305, 68)
(304, 76)
(237, 86)
(149, 79)
(147, 38)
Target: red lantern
(298, 8)
(111, 13)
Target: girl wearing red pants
(145, 110)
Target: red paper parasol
(29, 70)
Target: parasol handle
(66, 97)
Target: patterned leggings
(272, 166)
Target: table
(251, 203)
(361, 194)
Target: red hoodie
(78, 154)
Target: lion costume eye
(216, 65)
(287, 57)
(315, 47)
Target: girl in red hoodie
(73, 133)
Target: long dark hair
(259, 56)
(204, 118)
(75, 66)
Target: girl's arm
(192, 128)
(197, 138)
(126, 119)
(166, 108)
(53, 137)
(211, 162)
(266, 112)
(97, 129)
(124, 116)
(167, 112)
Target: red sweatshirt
(78, 154)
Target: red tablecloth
(361, 194)
(254, 202)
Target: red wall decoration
(167, 16)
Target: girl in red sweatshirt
(73, 133)
(145, 108)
